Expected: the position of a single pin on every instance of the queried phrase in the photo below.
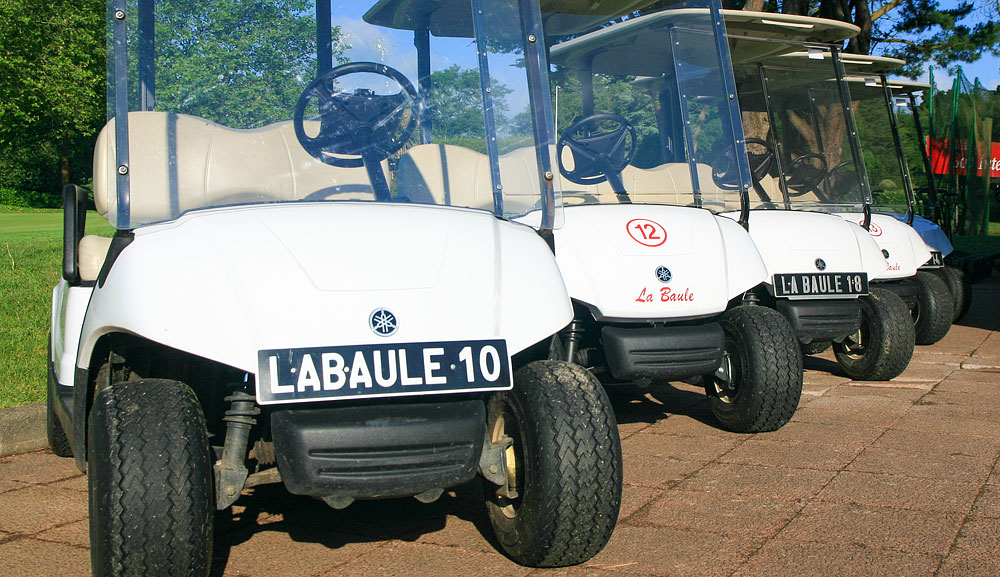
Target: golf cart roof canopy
(855, 64)
(907, 87)
(452, 18)
(638, 46)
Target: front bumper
(663, 353)
(374, 451)
(821, 320)
(903, 288)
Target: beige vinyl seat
(179, 163)
(457, 176)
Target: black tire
(54, 431)
(882, 347)
(765, 372)
(150, 481)
(960, 289)
(935, 308)
(815, 347)
(566, 458)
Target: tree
(51, 91)
(457, 104)
(241, 64)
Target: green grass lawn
(979, 244)
(30, 265)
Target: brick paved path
(895, 479)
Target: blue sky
(987, 68)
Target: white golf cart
(817, 174)
(936, 303)
(275, 308)
(905, 94)
(820, 266)
(663, 287)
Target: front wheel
(935, 309)
(759, 384)
(150, 482)
(881, 348)
(563, 462)
(959, 287)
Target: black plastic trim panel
(670, 353)
(822, 320)
(383, 450)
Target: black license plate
(936, 260)
(825, 284)
(366, 371)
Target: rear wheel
(758, 387)
(959, 287)
(564, 463)
(151, 507)
(883, 345)
(935, 309)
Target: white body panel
(225, 283)
(608, 263)
(69, 306)
(907, 251)
(791, 241)
(931, 233)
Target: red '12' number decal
(646, 232)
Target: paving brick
(76, 534)
(287, 550)
(78, 483)
(776, 482)
(739, 515)
(988, 502)
(681, 447)
(37, 467)
(791, 454)
(917, 372)
(674, 552)
(828, 434)
(635, 498)
(909, 392)
(787, 558)
(9, 485)
(951, 419)
(590, 570)
(658, 472)
(866, 411)
(928, 455)
(398, 558)
(875, 527)
(35, 508)
(902, 492)
(30, 557)
(975, 551)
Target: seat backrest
(179, 162)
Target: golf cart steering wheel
(359, 123)
(809, 182)
(599, 157)
(760, 163)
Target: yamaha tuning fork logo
(820, 264)
(663, 274)
(382, 322)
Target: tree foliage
(241, 64)
(457, 104)
(51, 91)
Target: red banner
(940, 150)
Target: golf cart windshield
(802, 148)
(276, 101)
(880, 143)
(646, 111)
